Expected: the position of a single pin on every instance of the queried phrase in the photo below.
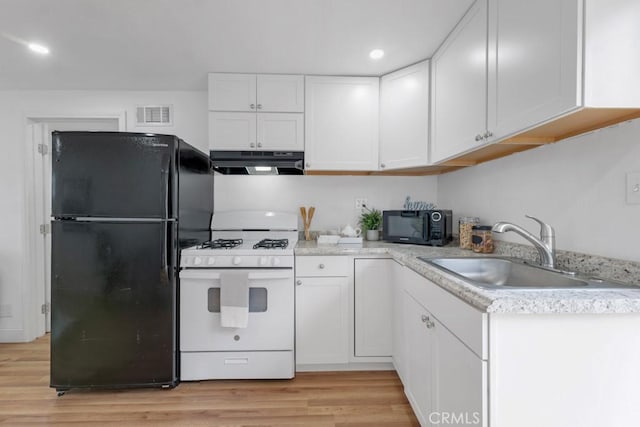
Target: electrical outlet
(360, 202)
(633, 188)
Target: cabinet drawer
(322, 266)
(210, 365)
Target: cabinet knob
(479, 137)
(298, 282)
(430, 324)
(259, 144)
(382, 165)
(252, 106)
(259, 106)
(252, 145)
(424, 318)
(321, 266)
(488, 134)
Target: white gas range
(237, 299)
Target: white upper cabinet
(404, 117)
(232, 131)
(534, 62)
(341, 123)
(280, 93)
(539, 71)
(277, 93)
(256, 112)
(282, 132)
(459, 87)
(232, 92)
(612, 53)
(251, 131)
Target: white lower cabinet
(398, 341)
(444, 379)
(419, 379)
(322, 310)
(373, 308)
(459, 377)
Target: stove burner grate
(272, 244)
(221, 244)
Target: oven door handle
(209, 274)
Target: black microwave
(431, 227)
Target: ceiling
(172, 44)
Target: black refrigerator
(123, 205)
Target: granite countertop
(577, 301)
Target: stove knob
(263, 260)
(236, 260)
(197, 261)
(275, 261)
(211, 261)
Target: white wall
(190, 123)
(333, 196)
(576, 185)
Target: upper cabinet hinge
(45, 228)
(43, 149)
(45, 308)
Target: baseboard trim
(12, 335)
(345, 367)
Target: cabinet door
(341, 123)
(232, 131)
(373, 307)
(459, 377)
(459, 87)
(322, 320)
(404, 117)
(399, 342)
(419, 384)
(280, 93)
(232, 92)
(534, 62)
(280, 131)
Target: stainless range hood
(258, 162)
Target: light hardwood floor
(370, 398)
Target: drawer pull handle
(321, 266)
(237, 361)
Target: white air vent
(154, 115)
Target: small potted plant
(371, 220)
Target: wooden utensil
(306, 220)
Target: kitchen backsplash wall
(333, 196)
(577, 185)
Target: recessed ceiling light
(376, 54)
(38, 48)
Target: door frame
(33, 258)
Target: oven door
(406, 226)
(271, 315)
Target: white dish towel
(234, 299)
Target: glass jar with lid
(465, 226)
(482, 239)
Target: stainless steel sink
(508, 273)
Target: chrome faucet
(546, 244)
